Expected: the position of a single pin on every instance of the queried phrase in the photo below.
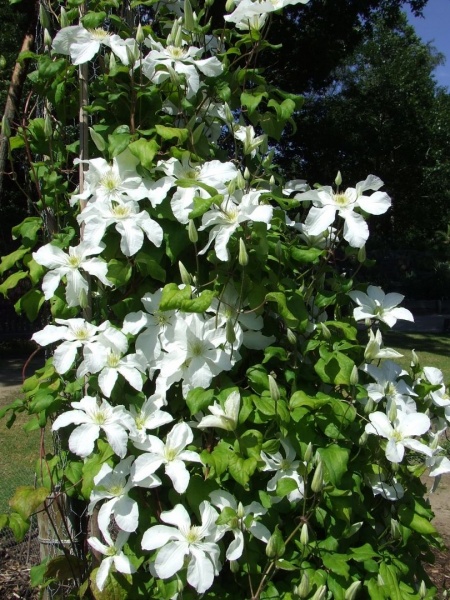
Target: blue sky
(435, 28)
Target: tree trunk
(16, 86)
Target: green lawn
(432, 349)
(20, 451)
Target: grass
(432, 349)
(20, 451)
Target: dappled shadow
(420, 342)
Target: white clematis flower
(380, 306)
(389, 386)
(223, 418)
(171, 454)
(326, 203)
(243, 520)
(247, 9)
(71, 266)
(113, 485)
(185, 542)
(76, 333)
(399, 434)
(129, 223)
(149, 416)
(374, 349)
(227, 217)
(284, 467)
(250, 141)
(91, 418)
(80, 43)
(114, 556)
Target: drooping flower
(171, 454)
(284, 467)
(399, 433)
(224, 418)
(389, 386)
(374, 349)
(71, 266)
(113, 484)
(227, 217)
(185, 542)
(114, 556)
(380, 306)
(326, 203)
(90, 418)
(240, 519)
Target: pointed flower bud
(230, 332)
(234, 566)
(246, 174)
(338, 180)
(185, 277)
(325, 331)
(188, 16)
(192, 232)
(47, 38)
(275, 546)
(352, 591)
(320, 593)
(308, 453)
(363, 439)
(273, 388)
(354, 376)
(395, 529)
(63, 20)
(362, 254)
(304, 535)
(392, 414)
(240, 181)
(317, 482)
(243, 256)
(415, 361)
(229, 5)
(423, 589)
(292, 338)
(304, 588)
(370, 405)
(43, 17)
(140, 36)
(228, 114)
(48, 129)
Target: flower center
(121, 211)
(110, 181)
(99, 34)
(285, 464)
(161, 318)
(193, 535)
(196, 348)
(74, 262)
(391, 390)
(110, 551)
(176, 53)
(231, 214)
(113, 359)
(99, 417)
(81, 334)
(397, 436)
(341, 200)
(116, 490)
(192, 173)
(170, 454)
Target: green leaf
(145, 151)
(28, 230)
(306, 255)
(252, 100)
(64, 567)
(285, 486)
(363, 553)
(169, 133)
(173, 298)
(241, 469)
(198, 399)
(334, 367)
(42, 401)
(389, 576)
(9, 261)
(37, 573)
(30, 304)
(27, 499)
(119, 272)
(407, 516)
(201, 205)
(264, 404)
(335, 417)
(18, 525)
(337, 563)
(93, 465)
(218, 459)
(335, 460)
(92, 20)
(300, 398)
(150, 267)
(11, 282)
(116, 586)
(117, 143)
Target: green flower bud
(273, 388)
(185, 277)
(370, 405)
(188, 16)
(83, 299)
(392, 414)
(178, 42)
(229, 5)
(308, 453)
(422, 589)
(192, 232)
(275, 546)
(243, 256)
(140, 36)
(63, 20)
(320, 593)
(246, 174)
(352, 591)
(354, 377)
(230, 332)
(395, 529)
(240, 511)
(240, 181)
(292, 338)
(48, 129)
(338, 180)
(228, 114)
(272, 180)
(2, 62)
(304, 535)
(43, 17)
(304, 588)
(279, 250)
(317, 482)
(6, 129)
(231, 187)
(234, 566)
(112, 62)
(47, 38)
(362, 254)
(97, 139)
(415, 362)
(325, 331)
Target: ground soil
(17, 559)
